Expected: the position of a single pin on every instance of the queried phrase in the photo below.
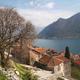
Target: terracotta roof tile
(53, 60)
(50, 61)
(45, 59)
(40, 50)
(61, 57)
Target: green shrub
(29, 76)
(2, 76)
(24, 73)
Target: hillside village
(57, 63)
(49, 61)
(47, 64)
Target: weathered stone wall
(67, 70)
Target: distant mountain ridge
(63, 28)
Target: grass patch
(2, 76)
(75, 72)
(24, 73)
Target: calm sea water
(59, 45)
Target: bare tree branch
(14, 28)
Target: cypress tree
(67, 52)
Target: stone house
(65, 66)
(59, 65)
(36, 54)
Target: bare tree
(13, 28)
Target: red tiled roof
(50, 61)
(40, 50)
(77, 62)
(45, 59)
(62, 58)
(53, 60)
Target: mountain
(63, 28)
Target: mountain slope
(63, 28)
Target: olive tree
(13, 28)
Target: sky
(43, 12)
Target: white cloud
(49, 5)
(42, 4)
(42, 18)
(31, 3)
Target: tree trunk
(29, 58)
(2, 59)
(7, 58)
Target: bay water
(59, 44)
